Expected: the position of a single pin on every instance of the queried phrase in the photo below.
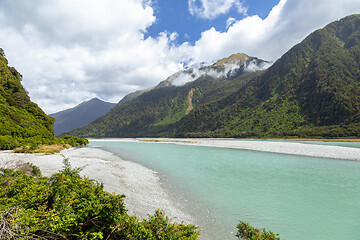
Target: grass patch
(46, 149)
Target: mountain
(19, 117)
(155, 110)
(313, 90)
(81, 115)
(228, 68)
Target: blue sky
(71, 51)
(174, 16)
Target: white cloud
(246, 35)
(229, 22)
(210, 9)
(229, 70)
(71, 51)
(286, 25)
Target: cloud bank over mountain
(71, 51)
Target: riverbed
(299, 190)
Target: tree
(247, 232)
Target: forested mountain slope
(19, 117)
(313, 90)
(24, 125)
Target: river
(299, 197)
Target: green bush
(162, 228)
(8, 143)
(247, 232)
(67, 206)
(74, 141)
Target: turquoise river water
(296, 196)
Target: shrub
(247, 232)
(74, 141)
(67, 206)
(8, 143)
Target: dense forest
(313, 90)
(23, 124)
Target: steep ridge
(81, 115)
(312, 90)
(19, 117)
(133, 95)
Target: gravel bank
(285, 147)
(144, 194)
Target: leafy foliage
(247, 232)
(22, 123)
(67, 206)
(2, 53)
(19, 116)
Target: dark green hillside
(22, 123)
(313, 90)
(19, 117)
(155, 112)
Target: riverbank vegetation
(68, 206)
(247, 232)
(40, 145)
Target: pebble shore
(142, 187)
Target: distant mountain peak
(238, 58)
(226, 68)
(80, 115)
(95, 99)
